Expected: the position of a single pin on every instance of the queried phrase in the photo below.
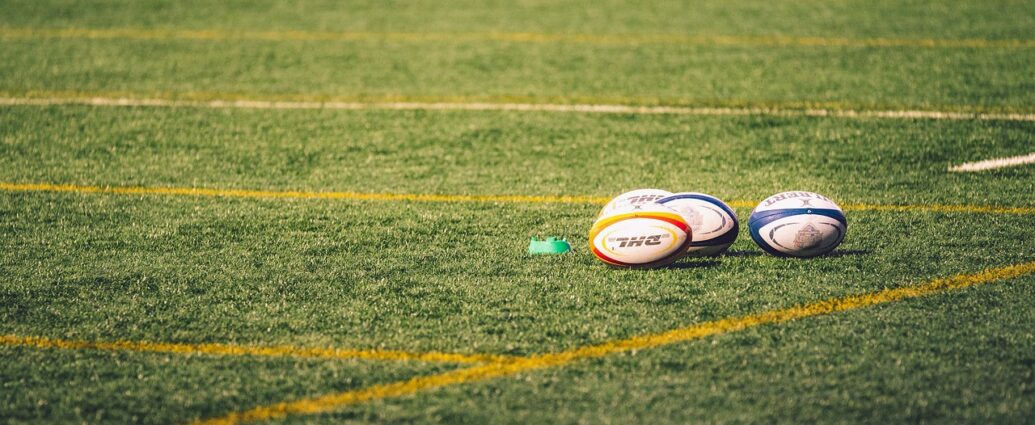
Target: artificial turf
(453, 276)
(478, 68)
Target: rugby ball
(797, 224)
(649, 235)
(713, 223)
(633, 198)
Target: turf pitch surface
(394, 272)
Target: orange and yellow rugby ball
(648, 235)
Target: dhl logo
(643, 199)
(627, 242)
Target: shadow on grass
(849, 253)
(694, 264)
(835, 254)
(744, 253)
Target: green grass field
(127, 298)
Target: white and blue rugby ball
(714, 224)
(797, 224)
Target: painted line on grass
(518, 107)
(992, 164)
(531, 363)
(416, 197)
(246, 350)
(935, 208)
(291, 194)
(513, 37)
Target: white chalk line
(994, 163)
(531, 107)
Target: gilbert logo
(639, 240)
(791, 195)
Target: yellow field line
(416, 197)
(515, 37)
(526, 364)
(291, 194)
(941, 208)
(246, 350)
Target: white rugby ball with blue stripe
(714, 224)
(797, 224)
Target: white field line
(994, 163)
(482, 106)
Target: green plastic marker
(551, 245)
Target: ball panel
(806, 239)
(677, 254)
(798, 235)
(714, 224)
(633, 198)
(695, 196)
(716, 231)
